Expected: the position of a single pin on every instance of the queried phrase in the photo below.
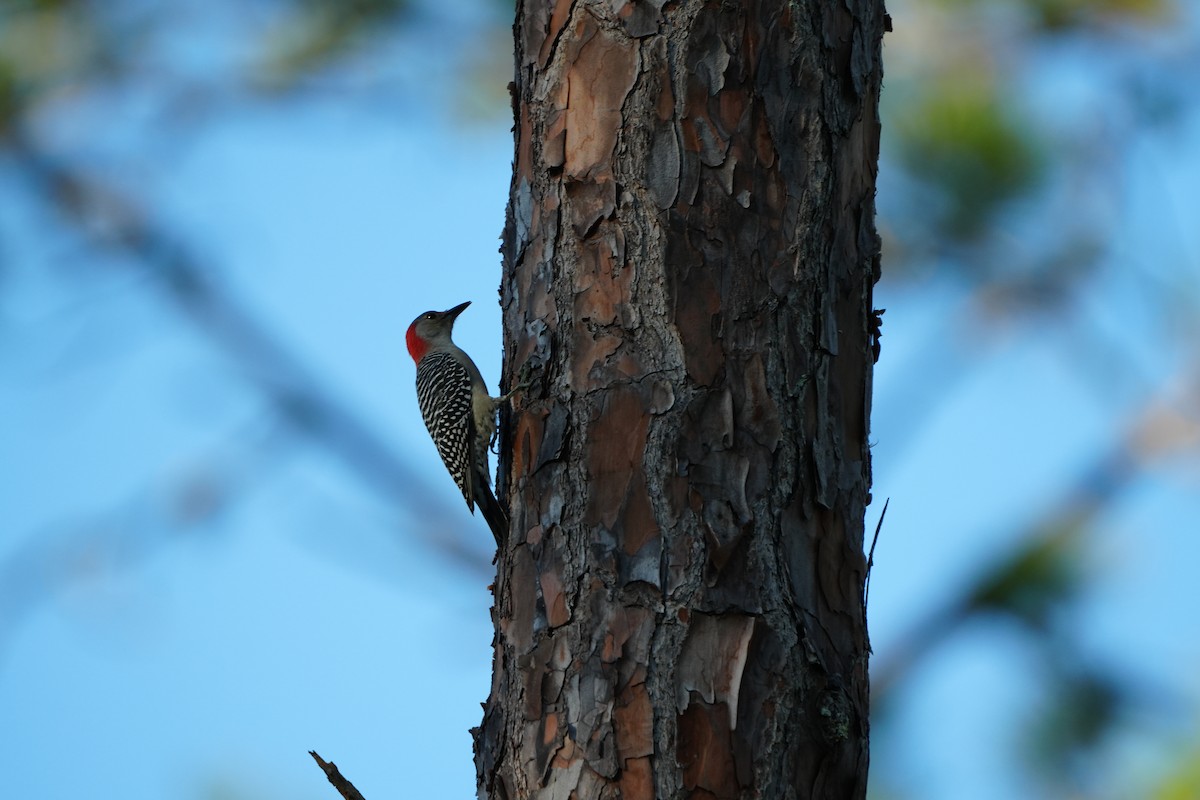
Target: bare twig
(871, 554)
(345, 788)
(871, 563)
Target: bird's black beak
(453, 313)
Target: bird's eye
(430, 315)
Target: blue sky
(305, 617)
(204, 660)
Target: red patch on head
(416, 345)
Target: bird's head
(432, 330)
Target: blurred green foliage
(1035, 581)
(1082, 707)
(1065, 15)
(960, 136)
(1068, 15)
(44, 47)
(1183, 781)
(319, 32)
(990, 169)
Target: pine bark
(689, 258)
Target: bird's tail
(493, 512)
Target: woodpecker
(458, 411)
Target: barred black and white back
(444, 395)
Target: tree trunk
(689, 258)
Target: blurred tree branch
(1040, 579)
(113, 223)
(94, 546)
(1045, 572)
(53, 54)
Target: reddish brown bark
(689, 259)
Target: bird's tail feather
(493, 512)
